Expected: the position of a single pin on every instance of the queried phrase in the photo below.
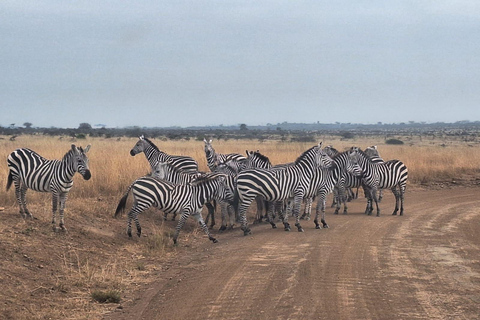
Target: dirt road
(424, 265)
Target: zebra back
(155, 156)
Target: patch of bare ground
(424, 265)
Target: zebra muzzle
(87, 175)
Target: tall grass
(113, 169)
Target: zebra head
(81, 161)
(322, 160)
(372, 151)
(139, 146)
(355, 155)
(331, 151)
(223, 192)
(352, 167)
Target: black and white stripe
(392, 175)
(155, 156)
(171, 198)
(279, 184)
(213, 158)
(29, 170)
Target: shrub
(394, 141)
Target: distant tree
(243, 127)
(27, 125)
(85, 126)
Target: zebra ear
(320, 144)
(205, 140)
(142, 137)
(87, 148)
(74, 148)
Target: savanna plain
(423, 265)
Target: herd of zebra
(176, 186)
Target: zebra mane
(261, 157)
(68, 154)
(362, 153)
(303, 155)
(151, 144)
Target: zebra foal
(171, 198)
(29, 170)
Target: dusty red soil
(423, 265)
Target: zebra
(253, 160)
(154, 156)
(29, 170)
(214, 158)
(279, 184)
(185, 199)
(168, 172)
(227, 211)
(392, 174)
(328, 178)
(373, 153)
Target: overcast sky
(183, 63)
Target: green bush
(394, 141)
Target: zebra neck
(153, 155)
(68, 168)
(211, 158)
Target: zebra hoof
(336, 212)
(274, 226)
(300, 229)
(222, 228)
(325, 226)
(246, 232)
(55, 229)
(174, 242)
(318, 227)
(214, 240)
(394, 213)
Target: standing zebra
(154, 156)
(279, 184)
(328, 178)
(372, 152)
(214, 158)
(27, 169)
(185, 199)
(392, 175)
(168, 172)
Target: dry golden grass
(113, 169)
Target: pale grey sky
(183, 63)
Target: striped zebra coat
(279, 184)
(171, 198)
(213, 158)
(392, 175)
(155, 156)
(29, 170)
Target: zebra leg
(380, 195)
(180, 224)
(54, 211)
(211, 213)
(260, 209)
(374, 196)
(321, 204)
(198, 217)
(20, 196)
(402, 196)
(63, 201)
(297, 204)
(308, 209)
(397, 200)
(271, 208)
(231, 216)
(242, 213)
(224, 211)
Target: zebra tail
(123, 201)
(10, 180)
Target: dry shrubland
(58, 275)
